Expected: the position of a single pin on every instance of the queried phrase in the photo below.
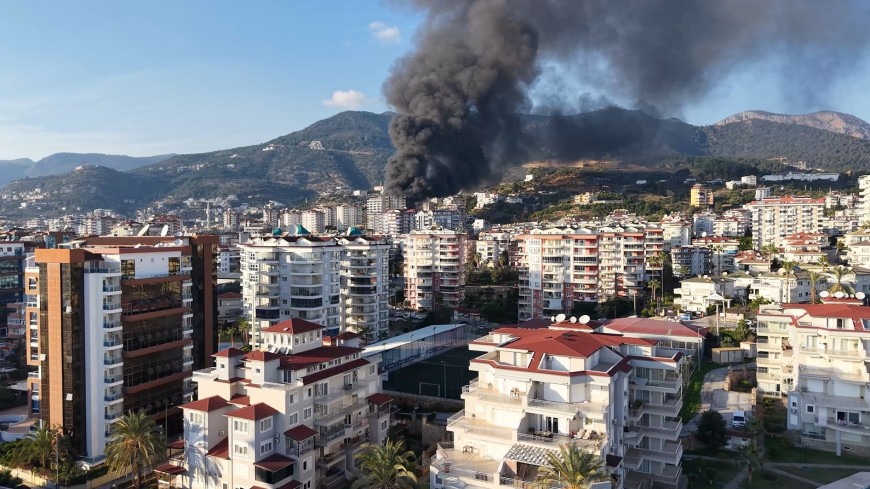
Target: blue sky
(154, 77)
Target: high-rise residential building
(617, 397)
(396, 222)
(434, 267)
(775, 218)
(314, 221)
(444, 217)
(289, 420)
(120, 323)
(290, 218)
(376, 206)
(231, 220)
(341, 283)
(348, 216)
(864, 191)
(700, 195)
(816, 355)
(691, 261)
(491, 246)
(12, 260)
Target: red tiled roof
(293, 326)
(347, 335)
(240, 400)
(229, 352)
(568, 343)
(274, 463)
(207, 405)
(170, 469)
(837, 310)
(317, 355)
(379, 398)
(254, 413)
(300, 433)
(262, 356)
(221, 449)
(177, 444)
(230, 295)
(325, 374)
(654, 327)
(290, 485)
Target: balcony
(566, 407)
(327, 437)
(668, 383)
(669, 407)
(472, 391)
(669, 430)
(113, 361)
(670, 453)
(111, 325)
(113, 397)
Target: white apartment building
(434, 264)
(486, 198)
(447, 218)
(340, 283)
(864, 191)
(676, 231)
(348, 216)
(289, 420)
(816, 354)
(617, 397)
(775, 218)
(395, 222)
(314, 221)
(702, 223)
(491, 245)
(696, 294)
(781, 288)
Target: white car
(738, 419)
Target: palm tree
(719, 249)
(825, 263)
(839, 275)
(387, 466)
(243, 327)
(789, 267)
(136, 442)
(38, 446)
(769, 250)
(652, 285)
(752, 456)
(571, 468)
(814, 277)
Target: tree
(752, 456)
(38, 446)
(745, 243)
(824, 262)
(711, 429)
(814, 278)
(243, 327)
(653, 284)
(683, 271)
(137, 443)
(571, 468)
(769, 250)
(789, 267)
(839, 275)
(742, 331)
(387, 466)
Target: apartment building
(815, 355)
(12, 259)
(434, 265)
(775, 218)
(120, 326)
(314, 221)
(698, 293)
(287, 420)
(690, 261)
(340, 282)
(700, 195)
(617, 397)
(490, 246)
(349, 216)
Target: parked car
(739, 419)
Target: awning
(379, 398)
(170, 469)
(528, 454)
(177, 444)
(274, 463)
(300, 433)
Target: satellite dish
(838, 294)
(553, 318)
(706, 277)
(178, 242)
(560, 318)
(704, 234)
(860, 295)
(573, 319)
(824, 293)
(584, 319)
(781, 271)
(851, 296)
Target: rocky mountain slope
(826, 120)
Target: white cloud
(350, 99)
(385, 33)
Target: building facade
(434, 267)
(775, 218)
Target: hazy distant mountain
(827, 120)
(14, 169)
(350, 150)
(59, 163)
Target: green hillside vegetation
(86, 189)
(765, 139)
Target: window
(257, 370)
(240, 426)
(241, 450)
(372, 369)
(305, 465)
(266, 447)
(196, 418)
(383, 425)
(809, 409)
(265, 425)
(293, 419)
(306, 413)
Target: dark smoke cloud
(459, 95)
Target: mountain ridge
(827, 120)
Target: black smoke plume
(460, 95)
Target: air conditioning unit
(794, 410)
(222, 433)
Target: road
(714, 396)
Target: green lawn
(692, 398)
(762, 479)
(776, 452)
(823, 476)
(700, 472)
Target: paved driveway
(714, 396)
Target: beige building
(700, 195)
(434, 264)
(775, 218)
